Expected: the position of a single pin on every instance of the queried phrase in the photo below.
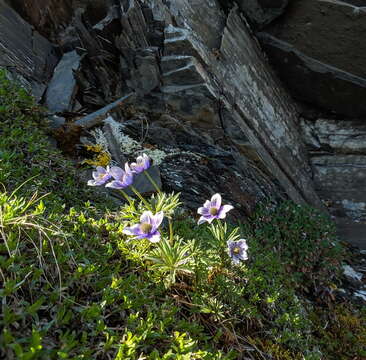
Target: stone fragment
(113, 146)
(49, 16)
(62, 87)
(44, 14)
(56, 121)
(190, 73)
(145, 77)
(352, 275)
(312, 81)
(360, 294)
(351, 231)
(142, 183)
(99, 116)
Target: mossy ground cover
(73, 286)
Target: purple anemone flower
(142, 163)
(212, 209)
(100, 176)
(122, 178)
(238, 250)
(148, 227)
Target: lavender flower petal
(100, 176)
(238, 250)
(118, 185)
(212, 209)
(147, 228)
(155, 237)
(132, 230)
(92, 183)
(216, 201)
(203, 211)
(207, 204)
(147, 217)
(142, 163)
(223, 210)
(157, 220)
(116, 172)
(203, 219)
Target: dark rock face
(51, 16)
(262, 12)
(263, 111)
(198, 169)
(320, 43)
(315, 82)
(328, 31)
(318, 50)
(24, 51)
(338, 156)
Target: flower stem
(126, 197)
(171, 235)
(141, 197)
(153, 182)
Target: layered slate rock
(240, 78)
(338, 157)
(320, 45)
(24, 51)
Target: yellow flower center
(146, 228)
(236, 250)
(214, 211)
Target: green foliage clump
(304, 239)
(342, 331)
(26, 151)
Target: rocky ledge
(193, 73)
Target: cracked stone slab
(62, 87)
(100, 115)
(341, 179)
(351, 274)
(344, 137)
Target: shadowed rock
(262, 12)
(330, 31)
(312, 81)
(25, 51)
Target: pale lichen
(131, 147)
